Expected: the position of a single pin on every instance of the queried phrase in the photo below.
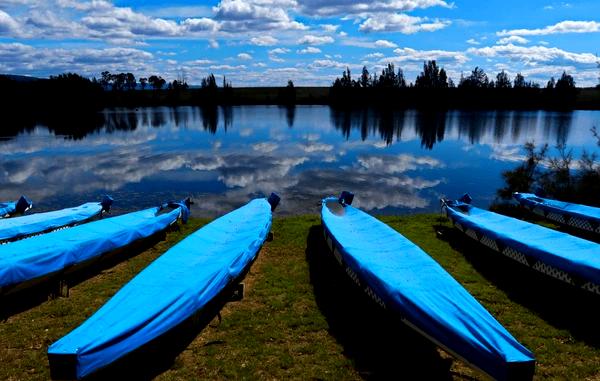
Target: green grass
(302, 318)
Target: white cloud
(274, 54)
(397, 164)
(21, 58)
(264, 40)
(124, 23)
(279, 51)
(385, 44)
(344, 8)
(183, 11)
(255, 15)
(318, 64)
(551, 7)
(408, 55)
(8, 25)
(213, 44)
(311, 147)
(472, 41)
(265, 147)
(200, 62)
(309, 50)
(310, 39)
(331, 28)
(512, 40)
(201, 24)
(533, 54)
(374, 55)
(227, 67)
(103, 20)
(400, 22)
(559, 28)
(244, 56)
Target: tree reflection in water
(392, 158)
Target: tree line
(433, 88)
(127, 81)
(434, 77)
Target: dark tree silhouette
(178, 85)
(118, 81)
(551, 84)
(520, 81)
(503, 81)
(522, 178)
(476, 80)
(226, 84)
(443, 81)
(365, 78)
(557, 179)
(431, 77)
(130, 81)
(598, 64)
(156, 81)
(388, 77)
(143, 82)
(106, 79)
(565, 82)
(400, 80)
(288, 95)
(209, 82)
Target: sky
(268, 42)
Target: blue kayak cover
(9, 208)
(36, 257)
(579, 216)
(20, 227)
(563, 256)
(401, 277)
(168, 291)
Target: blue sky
(267, 42)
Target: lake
(396, 162)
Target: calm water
(395, 162)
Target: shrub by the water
(560, 177)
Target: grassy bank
(302, 318)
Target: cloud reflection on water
(224, 156)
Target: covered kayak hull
(403, 279)
(20, 227)
(10, 208)
(571, 259)
(24, 262)
(170, 290)
(582, 217)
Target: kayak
(9, 208)
(405, 280)
(20, 227)
(28, 261)
(562, 256)
(578, 216)
(170, 290)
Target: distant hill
(21, 78)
